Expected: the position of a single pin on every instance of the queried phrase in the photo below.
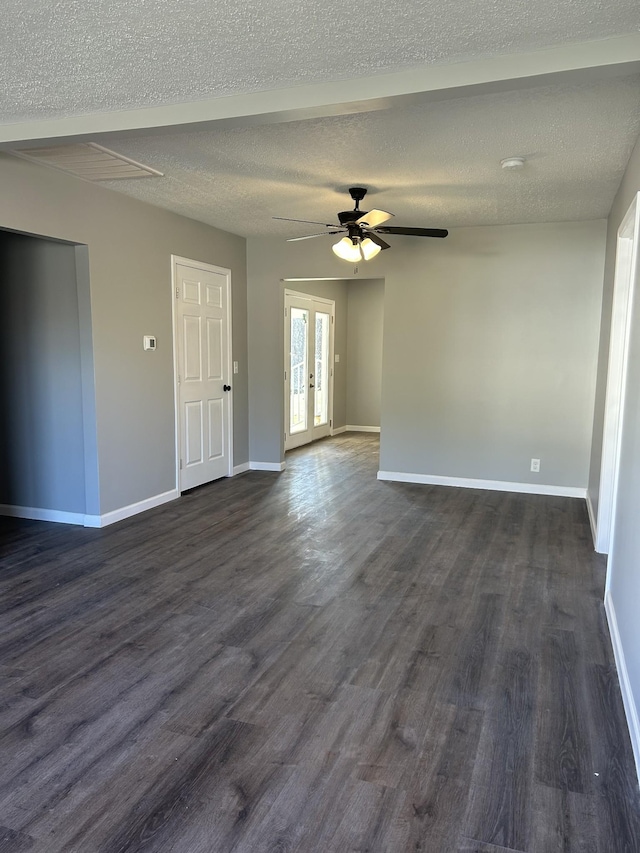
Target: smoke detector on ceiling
(510, 163)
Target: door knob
(226, 387)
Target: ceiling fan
(363, 229)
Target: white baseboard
(593, 522)
(80, 518)
(267, 466)
(338, 430)
(240, 469)
(630, 708)
(491, 485)
(132, 509)
(355, 428)
(38, 514)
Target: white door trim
(625, 277)
(199, 265)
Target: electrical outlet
(535, 466)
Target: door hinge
(285, 312)
(177, 293)
(181, 464)
(330, 423)
(285, 376)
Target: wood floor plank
(165, 806)
(14, 842)
(565, 821)
(467, 845)
(499, 807)
(499, 801)
(440, 787)
(476, 650)
(615, 787)
(315, 662)
(563, 758)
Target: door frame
(332, 312)
(198, 265)
(625, 280)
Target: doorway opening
(625, 279)
(308, 374)
(355, 368)
(48, 437)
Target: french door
(308, 369)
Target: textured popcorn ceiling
(66, 57)
(434, 165)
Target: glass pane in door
(299, 367)
(321, 372)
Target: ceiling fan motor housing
(355, 232)
(346, 216)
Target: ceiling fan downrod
(357, 194)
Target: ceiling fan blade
(311, 236)
(308, 221)
(377, 239)
(374, 218)
(413, 232)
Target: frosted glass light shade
(347, 250)
(369, 248)
(361, 250)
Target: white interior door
(308, 372)
(203, 377)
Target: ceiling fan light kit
(353, 249)
(369, 249)
(363, 241)
(347, 250)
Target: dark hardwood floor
(313, 661)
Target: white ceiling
(70, 68)
(433, 165)
(62, 57)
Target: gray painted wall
(624, 559)
(129, 248)
(490, 354)
(364, 352)
(41, 406)
(490, 348)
